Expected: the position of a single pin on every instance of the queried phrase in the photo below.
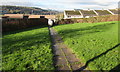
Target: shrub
(17, 24)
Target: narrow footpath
(64, 58)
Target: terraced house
(72, 14)
(103, 12)
(88, 13)
(114, 11)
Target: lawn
(94, 43)
(27, 50)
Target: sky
(64, 4)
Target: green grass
(89, 40)
(27, 50)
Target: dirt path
(64, 58)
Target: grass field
(27, 50)
(94, 43)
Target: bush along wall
(18, 24)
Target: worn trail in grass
(27, 50)
(95, 43)
(64, 58)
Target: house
(72, 14)
(79, 13)
(16, 16)
(114, 11)
(103, 12)
(88, 13)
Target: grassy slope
(28, 50)
(90, 40)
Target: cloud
(64, 4)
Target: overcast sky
(64, 4)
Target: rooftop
(88, 12)
(46, 16)
(115, 11)
(103, 12)
(15, 15)
(72, 12)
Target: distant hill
(26, 10)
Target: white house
(113, 11)
(103, 12)
(72, 14)
(88, 13)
